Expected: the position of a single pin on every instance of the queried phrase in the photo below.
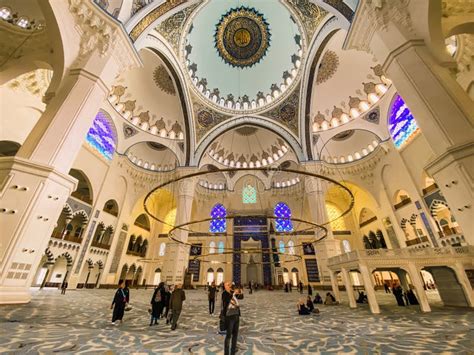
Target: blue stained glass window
(101, 136)
(220, 248)
(283, 214)
(249, 194)
(281, 246)
(218, 223)
(401, 123)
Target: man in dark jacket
(212, 291)
(176, 304)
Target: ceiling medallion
(242, 37)
(163, 80)
(328, 67)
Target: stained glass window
(101, 136)
(212, 248)
(281, 246)
(283, 214)
(249, 194)
(220, 248)
(401, 123)
(218, 223)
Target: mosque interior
(327, 143)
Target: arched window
(162, 249)
(218, 223)
(102, 136)
(220, 248)
(220, 276)
(283, 214)
(401, 123)
(281, 246)
(346, 246)
(212, 248)
(249, 194)
(210, 275)
(143, 221)
(291, 247)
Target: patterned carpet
(79, 322)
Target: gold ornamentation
(163, 80)
(328, 67)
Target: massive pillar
(316, 196)
(442, 109)
(369, 288)
(418, 284)
(35, 184)
(346, 278)
(177, 255)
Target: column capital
(103, 33)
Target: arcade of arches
(247, 122)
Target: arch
(400, 196)
(9, 148)
(220, 276)
(401, 123)
(131, 243)
(283, 217)
(111, 207)
(143, 222)
(257, 121)
(83, 191)
(218, 224)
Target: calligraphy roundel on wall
(242, 37)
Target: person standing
(386, 288)
(211, 294)
(126, 290)
(176, 304)
(64, 287)
(231, 312)
(156, 304)
(310, 290)
(166, 302)
(291, 286)
(118, 304)
(300, 286)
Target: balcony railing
(402, 203)
(429, 189)
(100, 245)
(418, 240)
(73, 238)
(399, 253)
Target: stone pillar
(335, 286)
(418, 284)
(346, 278)
(177, 255)
(442, 109)
(35, 183)
(316, 190)
(465, 284)
(47, 276)
(369, 288)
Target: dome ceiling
(248, 146)
(243, 55)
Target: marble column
(346, 278)
(369, 288)
(316, 196)
(36, 183)
(465, 284)
(442, 109)
(418, 284)
(335, 286)
(177, 255)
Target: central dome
(231, 58)
(242, 37)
